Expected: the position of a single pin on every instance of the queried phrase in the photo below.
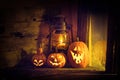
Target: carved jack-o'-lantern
(39, 59)
(78, 54)
(56, 60)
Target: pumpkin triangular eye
(75, 48)
(35, 60)
(40, 61)
(52, 56)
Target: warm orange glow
(61, 41)
(60, 38)
(97, 41)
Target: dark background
(8, 8)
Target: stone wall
(21, 27)
(20, 31)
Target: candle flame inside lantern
(61, 41)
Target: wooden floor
(34, 73)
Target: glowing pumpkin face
(78, 54)
(39, 59)
(56, 60)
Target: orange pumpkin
(56, 60)
(39, 59)
(78, 54)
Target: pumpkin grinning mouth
(77, 57)
(38, 62)
(55, 63)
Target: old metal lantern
(59, 34)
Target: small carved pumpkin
(56, 60)
(39, 59)
(78, 54)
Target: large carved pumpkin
(78, 54)
(39, 59)
(56, 60)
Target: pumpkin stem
(78, 39)
(40, 50)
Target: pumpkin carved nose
(55, 60)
